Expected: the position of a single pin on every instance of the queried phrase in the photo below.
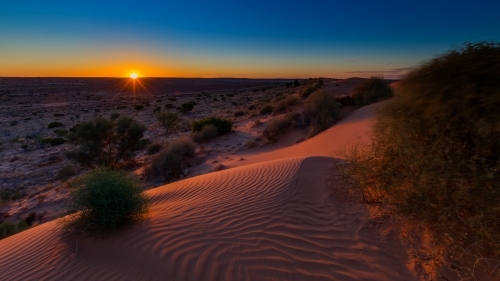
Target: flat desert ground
(276, 212)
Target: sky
(252, 39)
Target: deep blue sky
(229, 38)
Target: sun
(134, 75)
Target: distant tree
(168, 120)
(102, 142)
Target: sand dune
(275, 220)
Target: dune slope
(276, 220)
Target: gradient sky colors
(255, 39)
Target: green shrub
(266, 109)
(102, 142)
(65, 173)
(168, 120)
(207, 133)
(55, 124)
(8, 229)
(169, 163)
(139, 107)
(436, 149)
(105, 201)
(53, 141)
(157, 109)
(276, 127)
(223, 126)
(320, 112)
(370, 91)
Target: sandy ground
(284, 211)
(280, 219)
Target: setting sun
(134, 75)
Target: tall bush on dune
(370, 91)
(436, 146)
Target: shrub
(266, 109)
(11, 194)
(168, 120)
(186, 107)
(436, 150)
(168, 164)
(320, 112)
(223, 126)
(55, 124)
(346, 100)
(169, 105)
(311, 87)
(8, 229)
(157, 109)
(102, 142)
(65, 173)
(13, 123)
(53, 141)
(276, 127)
(370, 91)
(207, 133)
(239, 113)
(105, 201)
(139, 107)
(114, 116)
(24, 147)
(58, 114)
(154, 148)
(291, 100)
(61, 132)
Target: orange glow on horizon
(134, 75)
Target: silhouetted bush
(223, 126)
(139, 107)
(436, 149)
(168, 120)
(61, 132)
(370, 91)
(53, 141)
(55, 124)
(207, 133)
(346, 100)
(114, 116)
(188, 106)
(106, 201)
(102, 142)
(169, 163)
(239, 113)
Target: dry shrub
(266, 109)
(436, 146)
(276, 127)
(311, 87)
(320, 112)
(372, 90)
(169, 163)
(207, 133)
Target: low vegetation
(106, 201)
(372, 90)
(320, 112)
(8, 229)
(66, 172)
(436, 150)
(207, 133)
(55, 124)
(276, 128)
(223, 125)
(311, 87)
(169, 163)
(168, 120)
(102, 142)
